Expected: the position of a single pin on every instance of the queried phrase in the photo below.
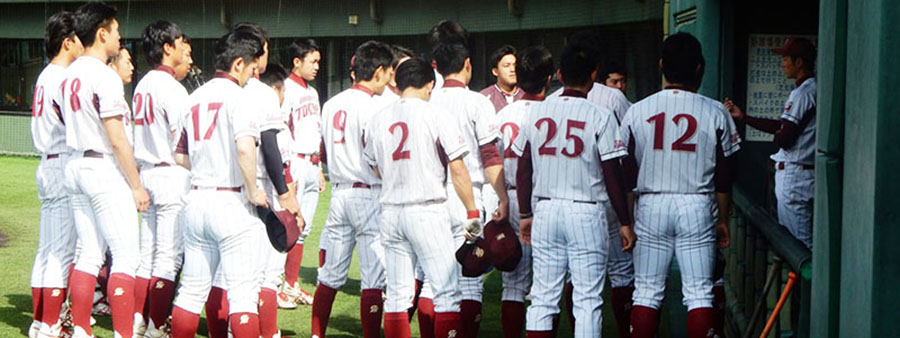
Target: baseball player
(122, 65)
(614, 75)
(446, 31)
(159, 101)
(795, 136)
(412, 144)
(301, 105)
(569, 219)
(220, 231)
(101, 177)
(534, 69)
(391, 94)
(679, 165)
(352, 218)
(476, 118)
(503, 67)
(56, 242)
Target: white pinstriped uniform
(620, 267)
(794, 184)
(516, 283)
(415, 225)
(476, 119)
(301, 108)
(159, 101)
(220, 230)
(102, 203)
(353, 215)
(675, 134)
(56, 243)
(569, 137)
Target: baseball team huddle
(432, 183)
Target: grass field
(19, 214)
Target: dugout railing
(760, 259)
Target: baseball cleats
(292, 295)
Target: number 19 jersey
(675, 134)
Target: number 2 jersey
(674, 134)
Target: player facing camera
(237, 55)
(415, 78)
(682, 61)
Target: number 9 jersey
(675, 134)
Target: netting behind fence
(15, 135)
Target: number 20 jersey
(675, 134)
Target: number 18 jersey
(675, 134)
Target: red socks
(217, 313)
(244, 325)
(512, 318)
(292, 264)
(396, 325)
(371, 305)
(570, 303)
(540, 334)
(426, 318)
(161, 294)
(700, 323)
(471, 318)
(447, 324)
(141, 288)
(644, 321)
(321, 309)
(121, 302)
(268, 312)
(621, 304)
(184, 324)
(82, 294)
(51, 303)
(36, 303)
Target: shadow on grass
(344, 323)
(351, 287)
(18, 315)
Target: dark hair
(533, 66)
(185, 38)
(415, 72)
(156, 35)
(612, 67)
(60, 26)
(576, 64)
(450, 57)
(681, 56)
(253, 28)
(237, 44)
(588, 40)
(115, 58)
(448, 30)
(274, 75)
(400, 52)
(498, 54)
(369, 56)
(89, 18)
(298, 49)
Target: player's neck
(415, 93)
(802, 76)
(366, 86)
(681, 86)
(583, 89)
(63, 59)
(460, 77)
(507, 89)
(97, 51)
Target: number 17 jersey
(675, 134)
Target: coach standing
(795, 135)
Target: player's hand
(502, 211)
(141, 199)
(258, 198)
(732, 108)
(525, 229)
(288, 201)
(321, 181)
(300, 222)
(472, 226)
(628, 237)
(723, 237)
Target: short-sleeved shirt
(219, 113)
(569, 137)
(499, 98)
(675, 134)
(606, 97)
(411, 142)
(159, 101)
(301, 106)
(269, 117)
(344, 118)
(48, 131)
(93, 92)
(474, 116)
(800, 108)
(511, 119)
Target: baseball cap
(503, 247)
(281, 227)
(474, 258)
(797, 47)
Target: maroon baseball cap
(281, 227)
(474, 258)
(797, 47)
(503, 246)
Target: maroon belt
(52, 156)
(361, 185)
(232, 189)
(162, 164)
(92, 154)
(780, 166)
(314, 159)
